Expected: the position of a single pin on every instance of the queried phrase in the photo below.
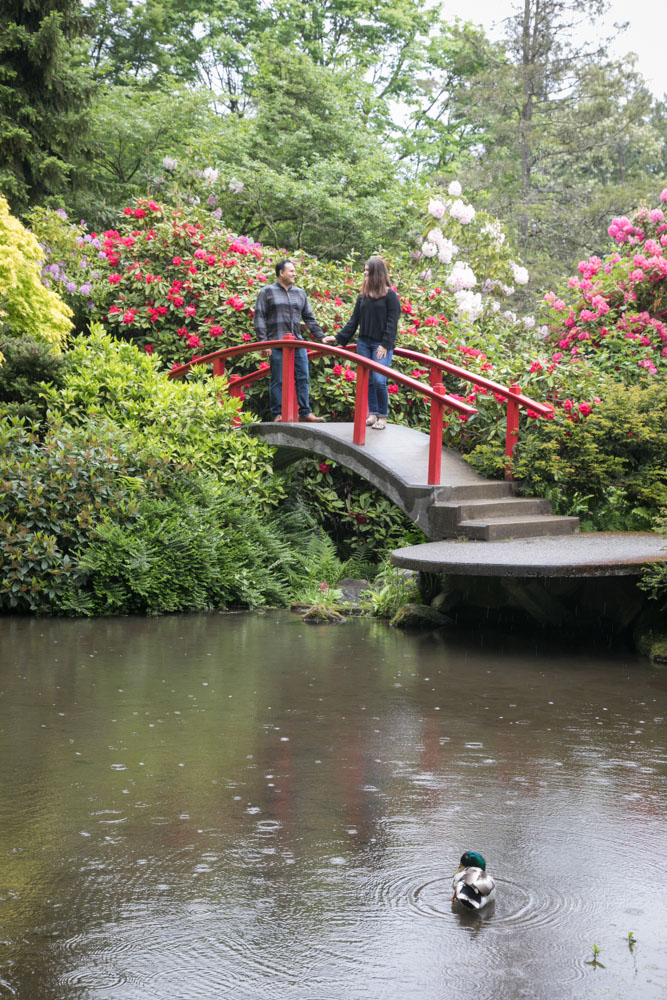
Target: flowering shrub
(613, 313)
(26, 306)
(72, 260)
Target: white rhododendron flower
(435, 236)
(520, 274)
(509, 316)
(429, 249)
(469, 304)
(235, 186)
(454, 189)
(495, 306)
(529, 322)
(210, 175)
(169, 163)
(447, 250)
(462, 276)
(494, 230)
(464, 213)
(436, 208)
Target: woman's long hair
(376, 279)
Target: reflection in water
(245, 806)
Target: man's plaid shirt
(281, 310)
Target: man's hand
(266, 353)
(329, 339)
(381, 353)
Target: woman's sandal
(370, 420)
(380, 424)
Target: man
(280, 309)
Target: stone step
(445, 518)
(490, 490)
(494, 529)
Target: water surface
(245, 806)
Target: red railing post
(434, 377)
(361, 404)
(290, 410)
(435, 440)
(218, 366)
(512, 431)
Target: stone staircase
(491, 512)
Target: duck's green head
(471, 859)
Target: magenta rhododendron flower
(149, 348)
(324, 467)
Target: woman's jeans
(378, 397)
(300, 379)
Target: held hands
(329, 339)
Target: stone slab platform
(582, 555)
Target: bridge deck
(585, 555)
(399, 452)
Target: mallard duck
(473, 888)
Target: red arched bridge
(433, 485)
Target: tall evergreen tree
(44, 93)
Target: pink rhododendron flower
(663, 195)
(349, 375)
(246, 336)
(114, 279)
(392, 388)
(338, 369)
(585, 409)
(149, 348)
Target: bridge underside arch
(394, 461)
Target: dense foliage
(26, 305)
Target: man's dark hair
(281, 265)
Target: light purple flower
(71, 286)
(85, 288)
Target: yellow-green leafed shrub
(26, 306)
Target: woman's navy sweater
(377, 320)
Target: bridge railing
(435, 392)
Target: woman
(376, 313)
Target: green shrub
(28, 363)
(608, 466)
(52, 497)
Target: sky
(645, 35)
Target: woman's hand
(381, 353)
(329, 339)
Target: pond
(245, 806)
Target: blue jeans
(300, 379)
(378, 397)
